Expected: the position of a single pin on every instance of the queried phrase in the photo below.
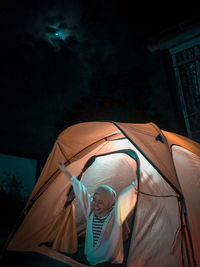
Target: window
(186, 64)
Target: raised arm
(125, 203)
(79, 189)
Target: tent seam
(164, 177)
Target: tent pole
(124, 264)
(188, 230)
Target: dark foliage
(12, 200)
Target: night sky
(64, 62)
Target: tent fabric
(156, 221)
(156, 233)
(158, 152)
(69, 143)
(48, 221)
(175, 139)
(77, 137)
(188, 169)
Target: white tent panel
(187, 167)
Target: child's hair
(109, 195)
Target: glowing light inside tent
(146, 169)
(122, 144)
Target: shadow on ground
(29, 259)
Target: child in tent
(105, 215)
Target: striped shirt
(97, 226)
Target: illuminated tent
(164, 224)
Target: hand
(63, 168)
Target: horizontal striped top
(97, 226)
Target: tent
(164, 223)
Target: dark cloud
(63, 25)
(33, 16)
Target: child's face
(98, 205)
